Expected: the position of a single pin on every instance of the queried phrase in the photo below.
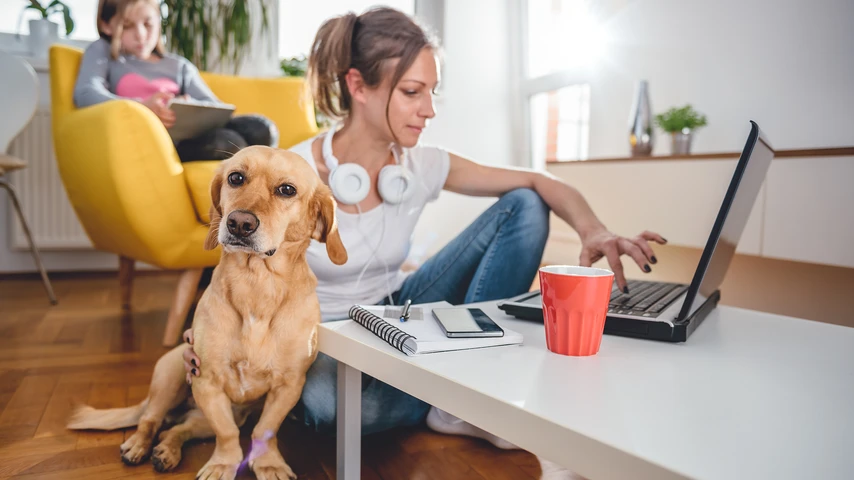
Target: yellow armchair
(127, 186)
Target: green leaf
(57, 6)
(678, 118)
(69, 22)
(37, 8)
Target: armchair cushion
(198, 176)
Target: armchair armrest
(124, 179)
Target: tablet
(192, 118)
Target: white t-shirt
(380, 239)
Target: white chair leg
(33, 249)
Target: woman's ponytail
(329, 61)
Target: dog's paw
(165, 457)
(271, 466)
(283, 472)
(135, 449)
(217, 471)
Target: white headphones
(351, 184)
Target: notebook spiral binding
(386, 331)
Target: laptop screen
(731, 220)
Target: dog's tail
(85, 417)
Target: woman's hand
(158, 103)
(603, 243)
(191, 361)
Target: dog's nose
(242, 224)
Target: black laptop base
(630, 327)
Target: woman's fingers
(188, 336)
(639, 251)
(646, 249)
(191, 362)
(584, 260)
(653, 237)
(613, 255)
(631, 249)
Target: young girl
(129, 61)
(377, 73)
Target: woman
(377, 73)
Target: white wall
(787, 64)
(299, 20)
(473, 111)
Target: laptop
(672, 311)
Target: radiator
(43, 200)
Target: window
(561, 40)
(299, 20)
(560, 124)
(83, 13)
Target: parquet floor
(85, 349)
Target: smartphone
(466, 322)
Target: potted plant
(294, 66)
(214, 34)
(680, 123)
(43, 32)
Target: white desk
(750, 395)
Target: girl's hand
(605, 244)
(157, 103)
(191, 361)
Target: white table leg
(349, 441)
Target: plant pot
(681, 142)
(42, 34)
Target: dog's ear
(326, 227)
(216, 211)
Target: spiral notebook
(421, 334)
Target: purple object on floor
(256, 449)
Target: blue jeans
(495, 257)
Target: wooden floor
(86, 350)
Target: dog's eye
(236, 179)
(286, 190)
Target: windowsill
(12, 44)
(800, 153)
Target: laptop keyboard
(645, 299)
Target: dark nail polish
(626, 290)
(665, 240)
(646, 269)
(654, 260)
(193, 361)
(195, 372)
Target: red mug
(575, 304)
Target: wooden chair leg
(33, 249)
(185, 294)
(126, 280)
